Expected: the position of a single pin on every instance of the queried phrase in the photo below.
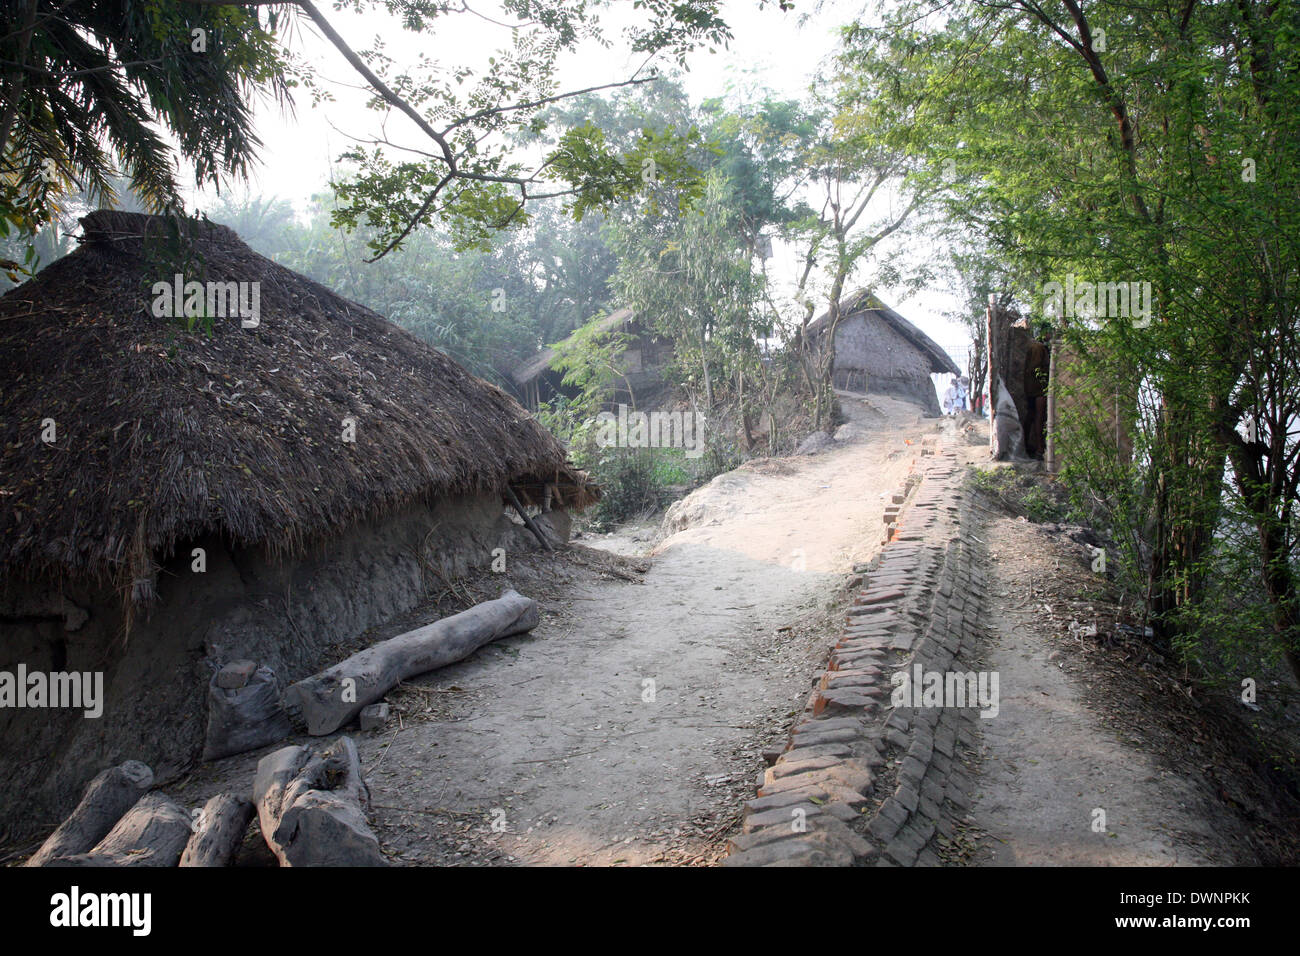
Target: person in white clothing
(950, 398)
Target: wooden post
(1050, 458)
(537, 533)
(992, 380)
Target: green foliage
(85, 85)
(1030, 496)
(695, 284)
(631, 486)
(472, 181)
(692, 276)
(88, 86)
(762, 152)
(637, 482)
(865, 203)
(1167, 154)
(591, 360)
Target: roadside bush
(632, 484)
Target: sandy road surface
(628, 727)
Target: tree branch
(493, 110)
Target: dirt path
(1069, 744)
(628, 727)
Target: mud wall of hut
(891, 365)
(294, 615)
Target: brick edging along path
(861, 781)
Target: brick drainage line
(861, 781)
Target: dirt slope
(1092, 720)
(561, 731)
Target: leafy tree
(1151, 144)
(763, 146)
(696, 285)
(83, 81)
(866, 193)
(464, 171)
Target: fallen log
(310, 807)
(328, 700)
(109, 795)
(152, 833)
(218, 831)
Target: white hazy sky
(771, 49)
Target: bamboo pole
(541, 538)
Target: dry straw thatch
(164, 434)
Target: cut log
(218, 831)
(311, 807)
(109, 795)
(328, 700)
(246, 717)
(152, 833)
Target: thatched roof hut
(641, 364)
(162, 434)
(322, 466)
(877, 350)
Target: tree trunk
(311, 807)
(17, 78)
(111, 794)
(708, 380)
(1186, 509)
(1261, 493)
(826, 372)
(328, 700)
(218, 832)
(1280, 586)
(153, 833)
(744, 411)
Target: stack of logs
(310, 808)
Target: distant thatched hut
(264, 488)
(877, 350)
(640, 372)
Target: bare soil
(1094, 721)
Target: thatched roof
(530, 368)
(164, 434)
(863, 303)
